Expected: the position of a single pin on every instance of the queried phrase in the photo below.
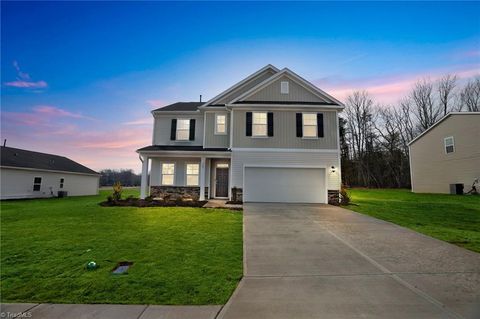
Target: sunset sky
(80, 79)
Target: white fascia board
(48, 170)
(153, 154)
(237, 85)
(159, 113)
(284, 107)
(440, 121)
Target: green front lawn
(452, 218)
(180, 255)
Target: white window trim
(286, 85)
(41, 180)
(174, 173)
(177, 130)
(226, 128)
(316, 128)
(445, 144)
(60, 184)
(266, 125)
(186, 173)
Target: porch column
(202, 178)
(144, 181)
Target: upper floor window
(449, 144)
(284, 87)
(168, 173)
(37, 184)
(220, 124)
(259, 124)
(192, 174)
(183, 129)
(309, 124)
(62, 180)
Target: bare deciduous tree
(425, 110)
(446, 86)
(470, 96)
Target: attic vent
(284, 87)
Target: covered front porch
(198, 175)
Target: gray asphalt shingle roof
(181, 106)
(15, 157)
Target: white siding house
(27, 174)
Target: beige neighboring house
(27, 174)
(447, 153)
(272, 137)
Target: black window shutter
(320, 124)
(249, 124)
(173, 130)
(192, 130)
(270, 123)
(299, 125)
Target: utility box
(62, 194)
(456, 189)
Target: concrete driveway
(320, 261)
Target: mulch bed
(135, 202)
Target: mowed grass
(181, 255)
(452, 218)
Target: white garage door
(282, 184)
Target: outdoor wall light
(332, 169)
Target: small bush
(110, 198)
(117, 191)
(344, 196)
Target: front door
(221, 183)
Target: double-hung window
(259, 124)
(62, 180)
(309, 121)
(168, 173)
(220, 124)
(192, 174)
(449, 144)
(37, 184)
(183, 129)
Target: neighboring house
(272, 137)
(27, 174)
(447, 153)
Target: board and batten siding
(285, 136)
(211, 139)
(162, 126)
(432, 169)
(286, 159)
(297, 93)
(180, 169)
(18, 183)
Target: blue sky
(79, 79)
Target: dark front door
(221, 185)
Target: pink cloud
(27, 84)
(57, 112)
(390, 88)
(156, 103)
(142, 121)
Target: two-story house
(272, 137)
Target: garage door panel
(274, 184)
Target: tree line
(374, 137)
(126, 177)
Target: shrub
(344, 196)
(117, 191)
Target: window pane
(220, 128)
(167, 179)
(168, 168)
(36, 187)
(259, 118)
(310, 131)
(183, 135)
(309, 119)
(259, 130)
(37, 180)
(448, 141)
(192, 180)
(449, 149)
(220, 119)
(192, 168)
(183, 124)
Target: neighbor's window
(168, 173)
(62, 180)
(309, 125)
(192, 174)
(37, 183)
(220, 124)
(284, 87)
(259, 124)
(183, 129)
(449, 144)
